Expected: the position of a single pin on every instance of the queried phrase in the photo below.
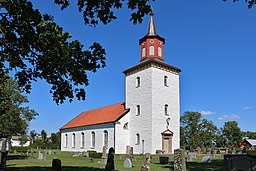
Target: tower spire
(151, 45)
(151, 26)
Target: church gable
(102, 115)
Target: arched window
(106, 138)
(143, 53)
(137, 139)
(159, 51)
(165, 81)
(138, 82)
(66, 140)
(93, 139)
(138, 110)
(166, 109)
(126, 126)
(151, 50)
(82, 140)
(73, 140)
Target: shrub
(251, 152)
(20, 149)
(94, 154)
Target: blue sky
(213, 42)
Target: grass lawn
(69, 163)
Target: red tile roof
(105, 114)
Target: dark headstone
(110, 166)
(56, 165)
(163, 159)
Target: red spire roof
(102, 115)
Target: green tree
(207, 133)
(190, 129)
(14, 115)
(56, 138)
(43, 135)
(33, 135)
(249, 134)
(231, 133)
(37, 48)
(23, 140)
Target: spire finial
(151, 26)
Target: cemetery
(43, 161)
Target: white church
(148, 120)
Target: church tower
(153, 97)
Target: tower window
(165, 81)
(137, 139)
(159, 51)
(166, 109)
(137, 110)
(143, 52)
(73, 140)
(93, 139)
(82, 140)
(66, 140)
(106, 138)
(138, 82)
(151, 50)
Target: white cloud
(228, 117)
(247, 108)
(205, 113)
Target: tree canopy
(14, 115)
(35, 47)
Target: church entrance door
(167, 141)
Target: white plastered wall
(165, 95)
(122, 135)
(99, 134)
(140, 96)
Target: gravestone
(15, 152)
(122, 156)
(56, 165)
(163, 159)
(192, 155)
(147, 157)
(40, 156)
(127, 163)
(50, 151)
(206, 159)
(128, 149)
(131, 151)
(242, 162)
(145, 168)
(133, 158)
(179, 160)
(104, 155)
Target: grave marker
(127, 163)
(179, 160)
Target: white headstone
(206, 159)
(40, 156)
(127, 163)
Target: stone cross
(179, 160)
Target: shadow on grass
(16, 157)
(64, 168)
(215, 165)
